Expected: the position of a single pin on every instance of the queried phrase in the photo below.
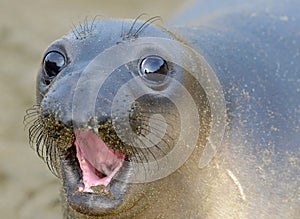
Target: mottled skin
(255, 172)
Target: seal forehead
(115, 31)
(85, 42)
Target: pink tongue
(94, 157)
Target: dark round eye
(154, 69)
(53, 63)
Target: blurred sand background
(27, 188)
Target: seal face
(123, 104)
(98, 129)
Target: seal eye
(154, 69)
(53, 63)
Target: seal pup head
(101, 119)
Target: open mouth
(90, 170)
(98, 163)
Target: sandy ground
(27, 188)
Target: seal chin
(91, 174)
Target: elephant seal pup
(115, 117)
(138, 125)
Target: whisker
(144, 158)
(122, 29)
(75, 31)
(145, 126)
(39, 142)
(146, 24)
(34, 110)
(52, 158)
(43, 138)
(147, 149)
(156, 122)
(137, 150)
(29, 121)
(34, 133)
(164, 153)
(86, 27)
(36, 123)
(93, 23)
(153, 118)
(165, 141)
(133, 24)
(81, 26)
(158, 112)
